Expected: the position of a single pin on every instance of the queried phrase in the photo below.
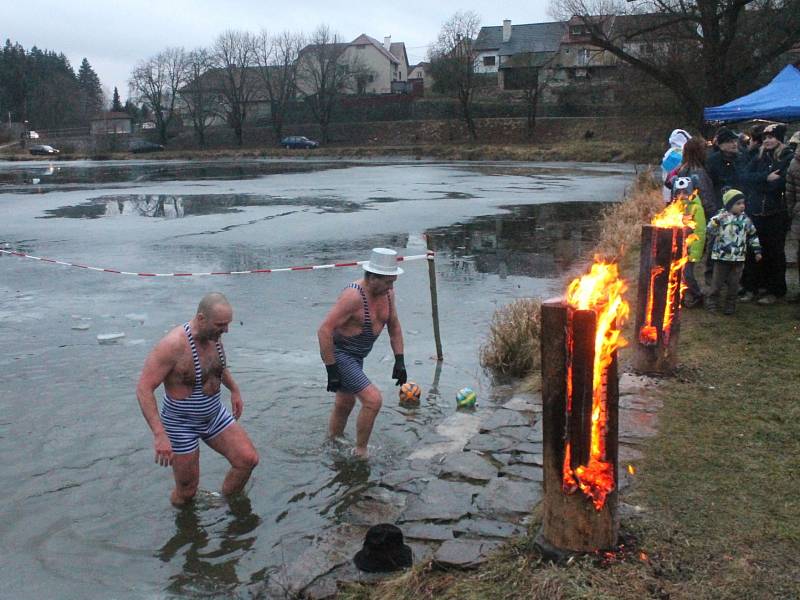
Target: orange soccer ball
(409, 394)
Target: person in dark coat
(765, 181)
(723, 166)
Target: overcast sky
(114, 36)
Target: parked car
(140, 146)
(31, 135)
(42, 149)
(299, 141)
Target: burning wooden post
(580, 338)
(660, 290)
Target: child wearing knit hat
(734, 232)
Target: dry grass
(513, 345)
(620, 228)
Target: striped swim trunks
(198, 416)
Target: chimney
(387, 42)
(506, 30)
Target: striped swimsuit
(351, 351)
(198, 416)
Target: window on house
(577, 30)
(488, 61)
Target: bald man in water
(190, 362)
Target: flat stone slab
(525, 403)
(637, 424)
(427, 531)
(635, 384)
(376, 505)
(457, 428)
(643, 403)
(503, 497)
(333, 548)
(484, 528)
(532, 473)
(504, 418)
(464, 554)
(524, 448)
(467, 465)
(532, 460)
(442, 501)
(486, 442)
(405, 480)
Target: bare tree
(453, 62)
(234, 56)
(530, 73)
(155, 82)
(277, 60)
(705, 52)
(199, 94)
(323, 74)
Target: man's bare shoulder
(173, 343)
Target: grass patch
(513, 345)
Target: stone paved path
(457, 501)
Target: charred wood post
(571, 523)
(658, 300)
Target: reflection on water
(539, 240)
(176, 207)
(133, 171)
(207, 568)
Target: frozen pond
(85, 512)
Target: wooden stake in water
(434, 301)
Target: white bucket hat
(383, 261)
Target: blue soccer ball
(466, 398)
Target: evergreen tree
(116, 105)
(91, 91)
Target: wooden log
(583, 324)
(570, 522)
(434, 301)
(653, 351)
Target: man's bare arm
(347, 304)
(394, 329)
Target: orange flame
(674, 214)
(631, 469)
(600, 291)
(672, 217)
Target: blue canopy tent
(778, 100)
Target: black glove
(399, 371)
(334, 379)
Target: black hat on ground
(725, 135)
(383, 550)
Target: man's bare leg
(370, 405)
(342, 407)
(235, 445)
(186, 470)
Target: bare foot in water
(361, 453)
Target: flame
(672, 217)
(643, 556)
(600, 291)
(631, 469)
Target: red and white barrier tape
(355, 263)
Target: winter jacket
(733, 234)
(702, 183)
(764, 197)
(723, 170)
(694, 210)
(793, 189)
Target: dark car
(299, 141)
(42, 149)
(141, 146)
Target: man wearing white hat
(346, 337)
